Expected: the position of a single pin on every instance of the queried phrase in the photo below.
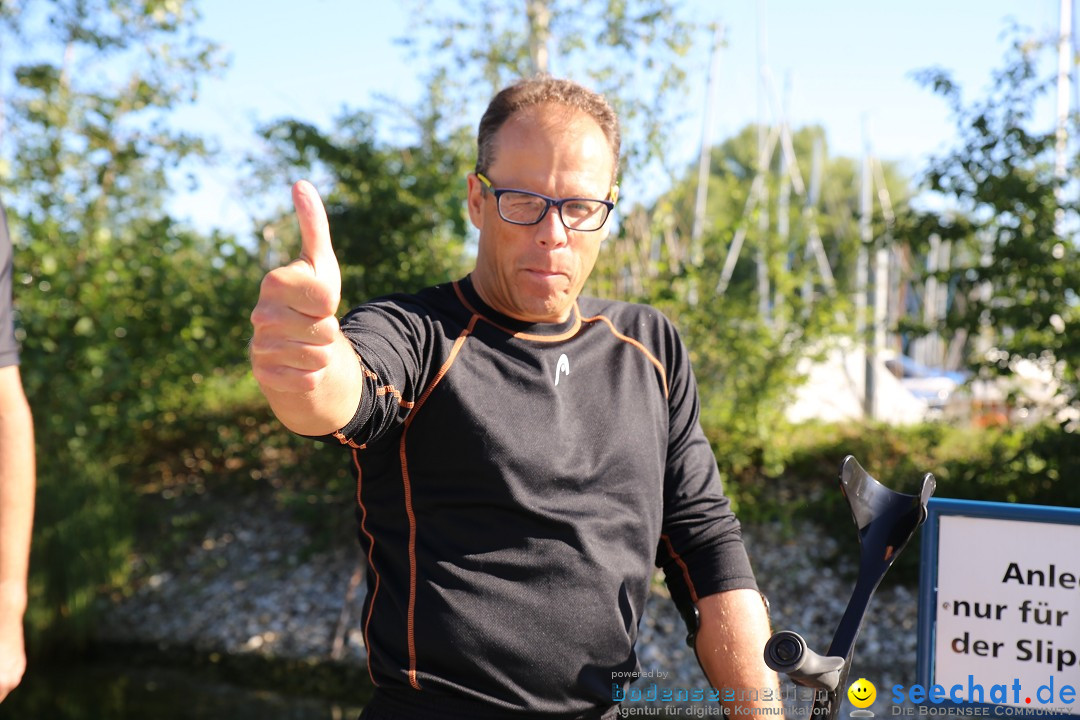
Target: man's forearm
(16, 497)
(330, 404)
(734, 627)
(17, 482)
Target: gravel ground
(252, 584)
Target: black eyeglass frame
(551, 202)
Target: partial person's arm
(731, 637)
(306, 368)
(704, 558)
(16, 520)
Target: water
(110, 690)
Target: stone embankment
(252, 584)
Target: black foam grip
(788, 653)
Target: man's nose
(550, 232)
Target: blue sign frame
(928, 567)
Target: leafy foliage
(132, 328)
(396, 213)
(133, 361)
(745, 360)
(635, 52)
(1012, 220)
(1011, 465)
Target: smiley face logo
(862, 693)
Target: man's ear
(614, 196)
(475, 200)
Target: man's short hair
(544, 90)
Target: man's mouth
(545, 273)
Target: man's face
(536, 272)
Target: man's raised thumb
(316, 248)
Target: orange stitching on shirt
(685, 570)
(380, 391)
(383, 389)
(340, 436)
(408, 496)
(371, 564)
(391, 390)
(520, 335)
(635, 343)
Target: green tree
(1012, 221)
(132, 327)
(746, 359)
(396, 212)
(636, 52)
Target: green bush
(1014, 465)
(1035, 465)
(133, 359)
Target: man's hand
(12, 652)
(299, 356)
(295, 319)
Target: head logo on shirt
(563, 366)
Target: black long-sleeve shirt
(515, 484)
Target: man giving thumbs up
(302, 361)
(524, 455)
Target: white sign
(1007, 627)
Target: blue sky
(848, 64)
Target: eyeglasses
(521, 207)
